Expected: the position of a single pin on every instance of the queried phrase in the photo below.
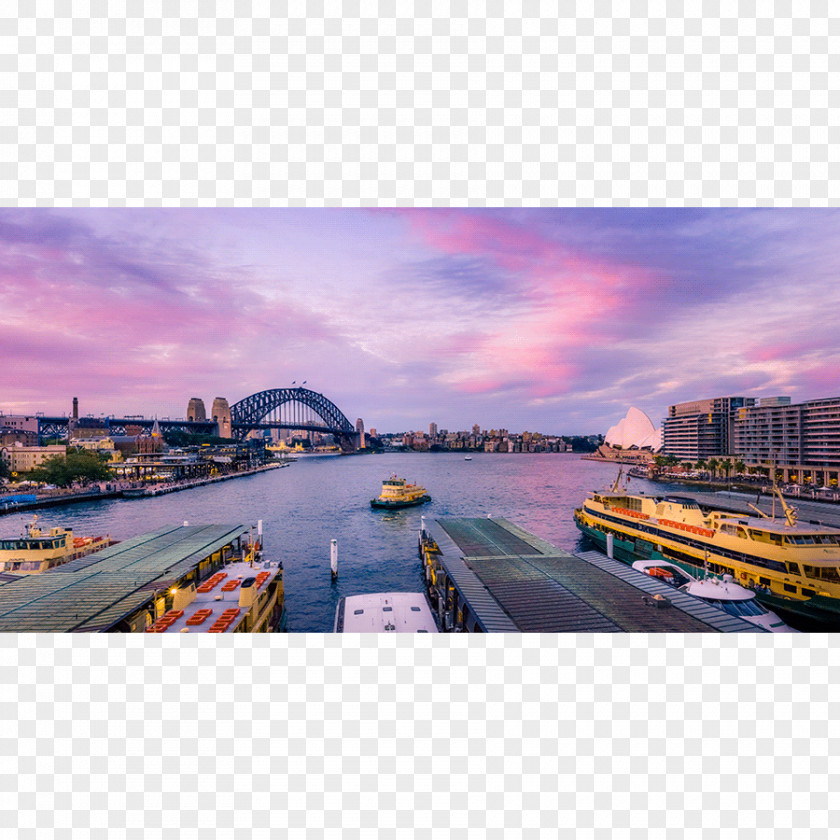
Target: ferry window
(793, 568)
(811, 572)
(808, 593)
(789, 588)
(415, 609)
(387, 609)
(830, 573)
(358, 612)
(764, 581)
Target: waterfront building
(433, 430)
(701, 429)
(10, 436)
(22, 459)
(476, 430)
(195, 409)
(87, 428)
(20, 422)
(801, 440)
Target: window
(387, 609)
(415, 609)
(358, 612)
(793, 568)
(808, 593)
(789, 588)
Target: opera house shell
(635, 431)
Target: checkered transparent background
(337, 736)
(447, 104)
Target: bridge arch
(251, 413)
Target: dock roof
(95, 592)
(515, 582)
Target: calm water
(317, 499)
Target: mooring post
(334, 558)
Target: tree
(76, 465)
(713, 466)
(687, 465)
(739, 466)
(701, 465)
(726, 466)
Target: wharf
(174, 487)
(488, 575)
(126, 587)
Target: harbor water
(320, 498)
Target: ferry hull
(815, 614)
(377, 503)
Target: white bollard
(334, 558)
(610, 546)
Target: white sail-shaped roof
(635, 431)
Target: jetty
(490, 576)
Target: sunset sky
(531, 319)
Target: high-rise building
(432, 429)
(476, 429)
(802, 440)
(195, 409)
(360, 431)
(701, 429)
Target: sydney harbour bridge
(277, 408)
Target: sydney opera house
(633, 439)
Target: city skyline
(550, 320)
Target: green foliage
(4, 468)
(77, 465)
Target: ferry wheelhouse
(793, 567)
(398, 493)
(37, 551)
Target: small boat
(385, 612)
(398, 493)
(38, 551)
(468, 457)
(722, 593)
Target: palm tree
(701, 465)
(739, 466)
(687, 465)
(713, 465)
(726, 466)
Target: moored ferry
(37, 551)
(793, 567)
(398, 493)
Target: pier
(490, 576)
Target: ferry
(794, 568)
(398, 493)
(385, 612)
(722, 593)
(38, 551)
(242, 597)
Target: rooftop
(515, 582)
(95, 592)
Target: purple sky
(538, 319)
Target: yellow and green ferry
(39, 551)
(398, 493)
(793, 567)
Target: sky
(540, 319)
